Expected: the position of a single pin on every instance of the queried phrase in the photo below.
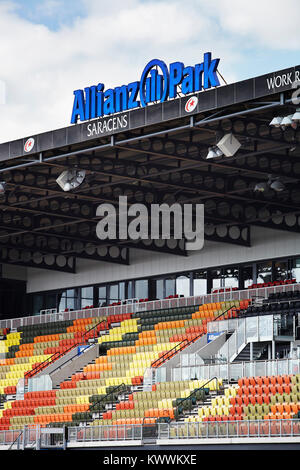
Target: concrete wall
(266, 244)
(67, 365)
(19, 273)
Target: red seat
(266, 380)
(266, 399)
(259, 380)
(259, 399)
(246, 400)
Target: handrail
(197, 389)
(57, 355)
(223, 313)
(116, 389)
(161, 360)
(167, 303)
(164, 356)
(18, 437)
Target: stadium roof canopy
(158, 155)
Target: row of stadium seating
(108, 391)
(30, 346)
(255, 398)
(257, 285)
(131, 346)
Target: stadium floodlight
(286, 121)
(276, 121)
(296, 116)
(261, 187)
(71, 179)
(277, 185)
(214, 152)
(229, 145)
(2, 187)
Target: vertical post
(269, 352)
(280, 432)
(24, 437)
(273, 349)
(251, 351)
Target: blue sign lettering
(157, 84)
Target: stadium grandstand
(145, 344)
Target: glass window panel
(185, 360)
(236, 371)
(70, 293)
(264, 272)
(183, 286)
(141, 289)
(113, 293)
(122, 291)
(231, 277)
(70, 303)
(280, 270)
(251, 327)
(37, 303)
(102, 293)
(170, 287)
(194, 373)
(200, 282)
(223, 374)
(159, 288)
(240, 334)
(260, 368)
(200, 286)
(86, 302)
(185, 373)
(50, 301)
(265, 325)
(176, 374)
(87, 293)
(296, 269)
(282, 367)
(247, 275)
(130, 290)
(272, 368)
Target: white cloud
(112, 44)
(273, 24)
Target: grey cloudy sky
(50, 48)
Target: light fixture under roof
(296, 116)
(261, 187)
(286, 121)
(2, 187)
(277, 185)
(71, 179)
(274, 183)
(214, 152)
(276, 121)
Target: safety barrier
(262, 292)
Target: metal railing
(121, 432)
(147, 306)
(229, 429)
(233, 371)
(244, 429)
